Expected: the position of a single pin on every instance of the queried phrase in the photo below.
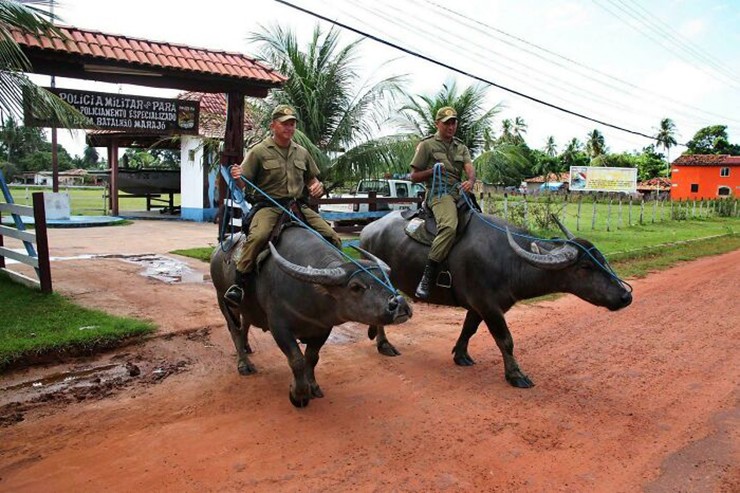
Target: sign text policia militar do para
(141, 114)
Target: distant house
(66, 178)
(536, 182)
(705, 176)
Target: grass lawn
(88, 201)
(35, 325)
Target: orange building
(705, 176)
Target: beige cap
(446, 113)
(283, 112)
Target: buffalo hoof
(298, 402)
(246, 368)
(372, 332)
(387, 349)
(520, 381)
(463, 360)
(316, 392)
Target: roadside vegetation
(39, 327)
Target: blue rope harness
(586, 250)
(234, 189)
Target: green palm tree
(595, 144)
(14, 83)
(507, 132)
(519, 129)
(474, 119)
(666, 136)
(339, 113)
(551, 149)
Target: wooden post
(42, 242)
(113, 161)
(593, 215)
(642, 210)
(233, 151)
(609, 216)
(619, 213)
(578, 214)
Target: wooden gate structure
(92, 55)
(38, 257)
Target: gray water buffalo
(490, 274)
(304, 288)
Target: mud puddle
(81, 383)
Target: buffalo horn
(556, 259)
(373, 258)
(562, 227)
(332, 277)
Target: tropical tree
(551, 149)
(14, 83)
(518, 130)
(712, 140)
(474, 119)
(595, 144)
(90, 157)
(665, 137)
(339, 113)
(574, 155)
(507, 132)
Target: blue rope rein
(385, 282)
(586, 250)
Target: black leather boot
(430, 273)
(235, 293)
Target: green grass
(34, 325)
(87, 201)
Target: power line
(463, 72)
(648, 33)
(676, 39)
(485, 29)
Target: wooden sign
(125, 112)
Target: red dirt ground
(645, 399)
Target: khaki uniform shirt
(279, 175)
(433, 150)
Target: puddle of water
(165, 269)
(59, 380)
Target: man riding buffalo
(440, 161)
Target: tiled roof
(212, 120)
(560, 177)
(144, 54)
(707, 160)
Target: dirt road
(645, 399)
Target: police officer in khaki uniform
(440, 161)
(285, 171)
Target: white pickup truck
(383, 188)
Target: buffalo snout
(399, 308)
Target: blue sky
(624, 62)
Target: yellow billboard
(602, 179)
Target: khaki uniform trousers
(445, 213)
(262, 225)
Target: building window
(694, 187)
(724, 172)
(723, 191)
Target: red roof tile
(707, 160)
(152, 54)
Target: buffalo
(302, 290)
(491, 271)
